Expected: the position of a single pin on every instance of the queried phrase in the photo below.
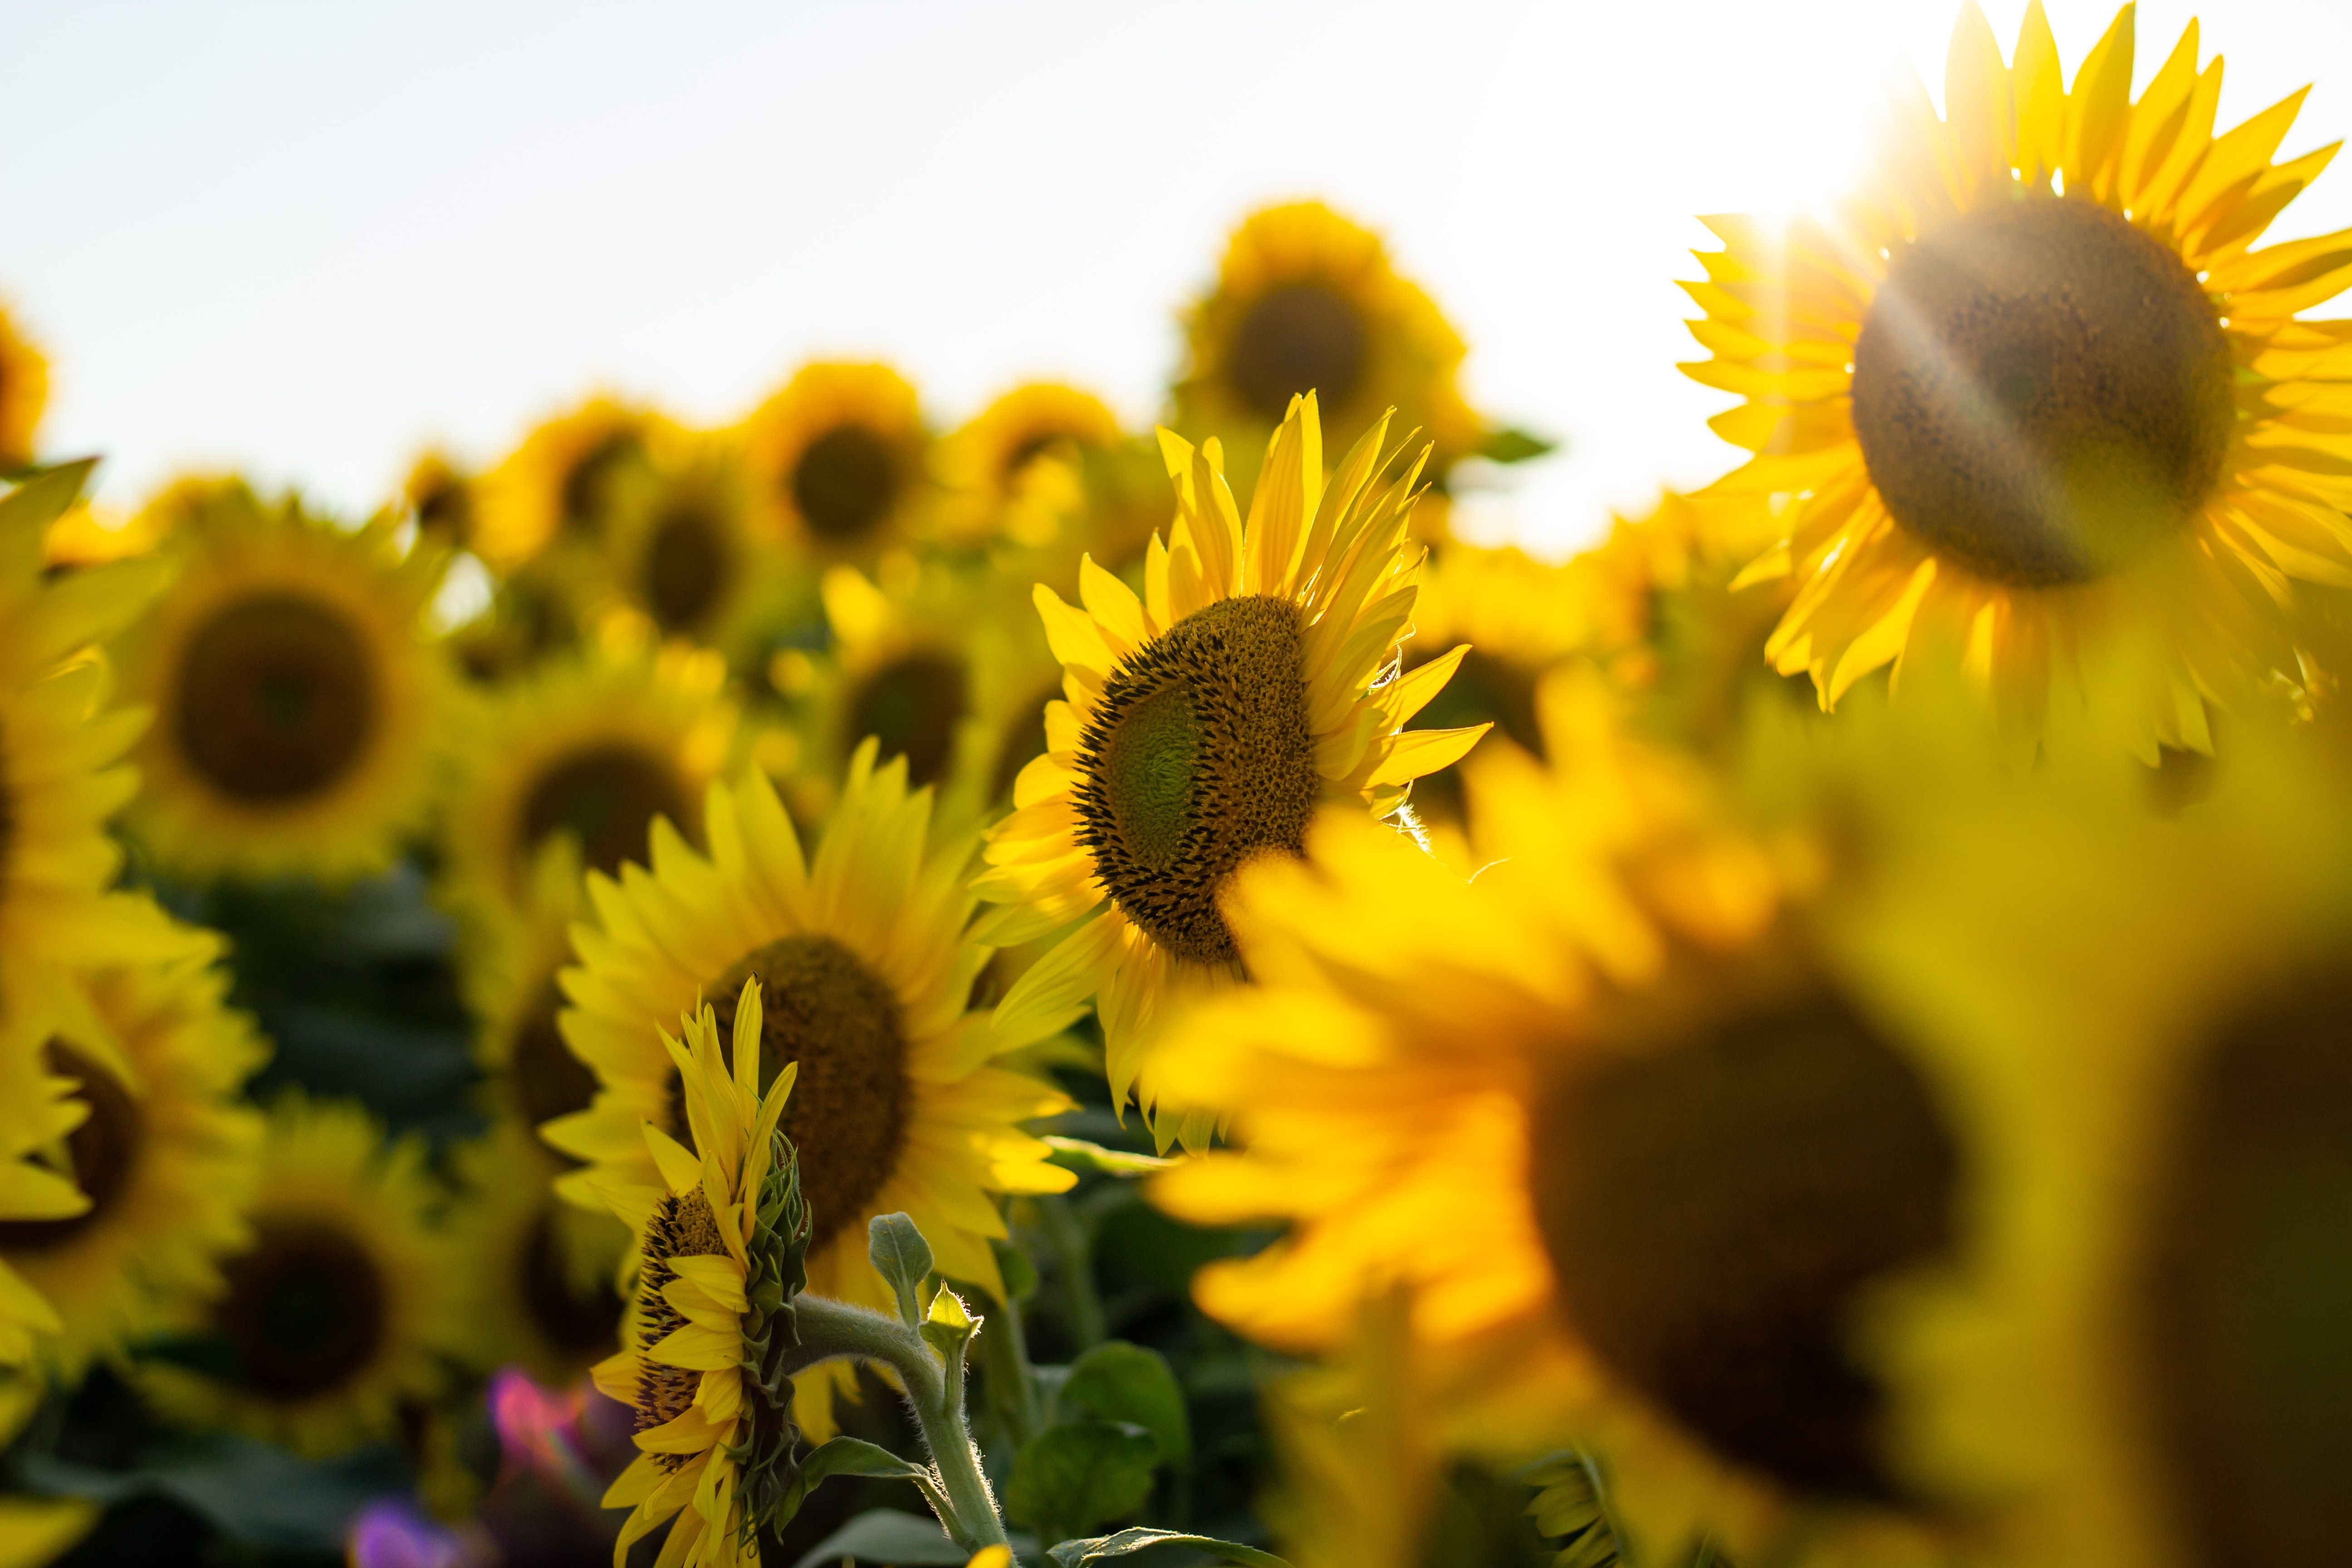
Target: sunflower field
(832, 990)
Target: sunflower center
(824, 1009)
(1198, 758)
(844, 482)
(591, 486)
(685, 567)
(306, 1309)
(1298, 338)
(548, 1080)
(102, 1152)
(578, 1323)
(682, 1226)
(1712, 1209)
(276, 699)
(607, 797)
(2044, 392)
(2249, 1284)
(912, 705)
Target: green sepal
(768, 1458)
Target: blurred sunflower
(1016, 470)
(541, 1270)
(1204, 723)
(1628, 1131)
(164, 1153)
(508, 973)
(2033, 418)
(837, 461)
(42, 1112)
(593, 747)
(346, 1304)
(444, 501)
(863, 962)
(24, 393)
(300, 707)
(562, 485)
(34, 1531)
(1307, 301)
(61, 745)
(683, 553)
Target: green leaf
(1514, 446)
(1145, 1546)
(856, 1457)
(1078, 1154)
(901, 1256)
(887, 1535)
(1013, 1266)
(1120, 1381)
(1073, 1476)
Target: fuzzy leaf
(1125, 1382)
(1069, 1478)
(1143, 1547)
(902, 1257)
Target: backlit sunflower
(165, 1155)
(541, 1270)
(863, 962)
(300, 707)
(346, 1304)
(24, 392)
(682, 552)
(61, 745)
(595, 746)
(837, 461)
(1307, 301)
(1637, 1141)
(1017, 469)
(2037, 393)
(1205, 723)
(725, 1237)
(561, 487)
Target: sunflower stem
(831, 1330)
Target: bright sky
(306, 240)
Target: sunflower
(24, 392)
(593, 747)
(61, 745)
(43, 1112)
(165, 1155)
(682, 552)
(299, 705)
(1017, 468)
(725, 1234)
(345, 1305)
(1204, 723)
(861, 958)
(1307, 301)
(837, 461)
(444, 501)
(508, 975)
(1635, 1137)
(541, 1269)
(561, 487)
(2038, 392)
(933, 664)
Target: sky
(307, 240)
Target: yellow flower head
(1017, 469)
(32, 1193)
(444, 501)
(540, 1271)
(2038, 393)
(1205, 723)
(24, 392)
(837, 461)
(561, 487)
(684, 554)
(300, 707)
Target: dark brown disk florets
(682, 1226)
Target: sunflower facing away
(164, 1153)
(346, 1304)
(837, 461)
(300, 707)
(24, 392)
(1307, 301)
(2039, 390)
(724, 1252)
(1612, 1115)
(865, 968)
(1203, 725)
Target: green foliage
(885, 1535)
(1120, 1381)
(1141, 1548)
(1080, 1474)
(901, 1256)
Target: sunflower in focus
(1205, 723)
(163, 1152)
(298, 705)
(346, 1304)
(863, 964)
(2039, 391)
(562, 486)
(1307, 301)
(1636, 1138)
(541, 1270)
(24, 393)
(837, 461)
(595, 747)
(725, 1239)
(1017, 468)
